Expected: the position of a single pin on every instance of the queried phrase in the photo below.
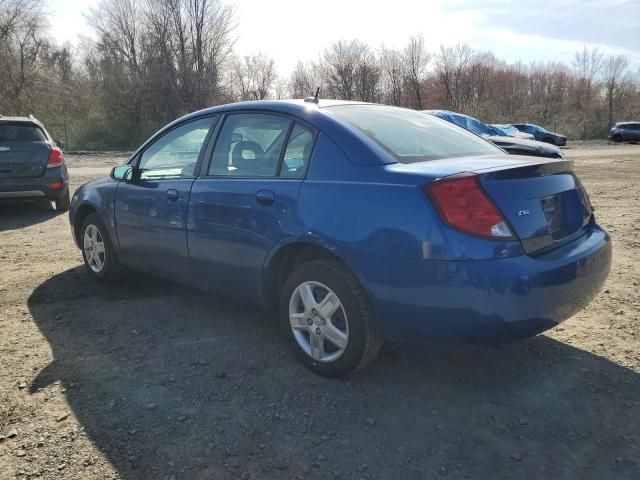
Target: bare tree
(253, 76)
(393, 73)
(587, 65)
(346, 75)
(416, 59)
(305, 79)
(452, 70)
(614, 73)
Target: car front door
(151, 209)
(247, 201)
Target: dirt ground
(152, 380)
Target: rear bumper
(492, 300)
(33, 188)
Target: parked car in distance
(513, 145)
(358, 222)
(32, 164)
(625, 132)
(542, 134)
(512, 131)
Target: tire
(110, 267)
(617, 139)
(549, 140)
(353, 318)
(63, 203)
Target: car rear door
(246, 201)
(151, 209)
(24, 150)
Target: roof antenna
(313, 99)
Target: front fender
(97, 196)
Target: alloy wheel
(94, 250)
(318, 321)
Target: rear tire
(63, 203)
(348, 339)
(97, 250)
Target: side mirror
(59, 144)
(122, 173)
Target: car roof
(627, 123)
(30, 119)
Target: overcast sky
(289, 30)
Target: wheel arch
(285, 257)
(81, 213)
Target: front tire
(97, 250)
(617, 139)
(327, 319)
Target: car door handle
(265, 197)
(172, 195)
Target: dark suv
(625, 132)
(542, 134)
(31, 163)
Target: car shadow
(15, 215)
(168, 381)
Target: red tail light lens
(464, 205)
(55, 158)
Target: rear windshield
(20, 132)
(411, 136)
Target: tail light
(55, 158)
(463, 204)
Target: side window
(175, 154)
(249, 145)
(298, 152)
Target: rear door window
(20, 132)
(298, 152)
(249, 145)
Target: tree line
(154, 60)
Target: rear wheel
(63, 203)
(327, 319)
(97, 250)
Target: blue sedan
(359, 222)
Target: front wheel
(97, 250)
(617, 139)
(327, 319)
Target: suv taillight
(463, 204)
(55, 158)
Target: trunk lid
(542, 199)
(545, 203)
(23, 159)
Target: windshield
(479, 128)
(509, 129)
(411, 136)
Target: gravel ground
(149, 379)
